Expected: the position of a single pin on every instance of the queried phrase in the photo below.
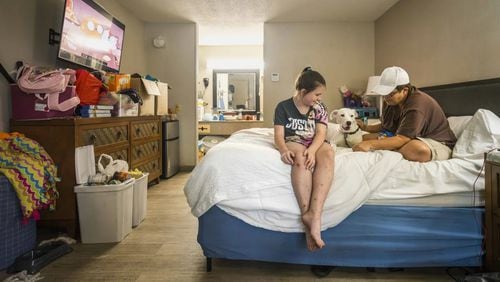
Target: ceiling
(247, 15)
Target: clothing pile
(31, 171)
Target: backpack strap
(53, 101)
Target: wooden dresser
(492, 211)
(134, 139)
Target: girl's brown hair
(309, 79)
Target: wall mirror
(236, 89)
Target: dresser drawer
(145, 151)
(153, 167)
(118, 155)
(103, 136)
(145, 129)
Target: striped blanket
(31, 171)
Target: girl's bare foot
(311, 245)
(313, 224)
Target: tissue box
(125, 107)
(117, 82)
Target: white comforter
(246, 178)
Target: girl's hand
(310, 159)
(287, 157)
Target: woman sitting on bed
(413, 122)
(300, 125)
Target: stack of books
(95, 110)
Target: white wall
(342, 52)
(176, 65)
(440, 41)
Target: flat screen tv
(91, 37)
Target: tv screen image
(91, 37)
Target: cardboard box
(117, 82)
(125, 107)
(148, 90)
(162, 100)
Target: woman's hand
(287, 157)
(364, 146)
(361, 124)
(310, 159)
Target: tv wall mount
(54, 37)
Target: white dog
(345, 132)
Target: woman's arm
(373, 128)
(388, 143)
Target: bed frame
(460, 99)
(347, 245)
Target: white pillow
(480, 135)
(458, 123)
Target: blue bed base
(372, 236)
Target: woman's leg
(302, 185)
(321, 182)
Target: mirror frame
(257, 87)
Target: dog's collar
(351, 133)
(347, 134)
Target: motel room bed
(382, 210)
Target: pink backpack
(49, 84)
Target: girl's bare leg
(302, 185)
(321, 182)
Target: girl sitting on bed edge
(300, 126)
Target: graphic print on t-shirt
(304, 128)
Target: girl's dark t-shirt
(299, 128)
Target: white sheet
(246, 178)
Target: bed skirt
(372, 236)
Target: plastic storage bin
(105, 211)
(140, 205)
(28, 106)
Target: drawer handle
(153, 128)
(138, 131)
(119, 157)
(154, 165)
(139, 152)
(93, 138)
(154, 147)
(119, 135)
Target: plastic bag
(88, 87)
(112, 166)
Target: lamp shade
(372, 81)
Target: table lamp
(372, 81)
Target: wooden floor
(164, 248)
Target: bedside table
(492, 211)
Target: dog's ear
(333, 115)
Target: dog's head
(346, 118)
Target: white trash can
(140, 205)
(105, 211)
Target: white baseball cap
(389, 79)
